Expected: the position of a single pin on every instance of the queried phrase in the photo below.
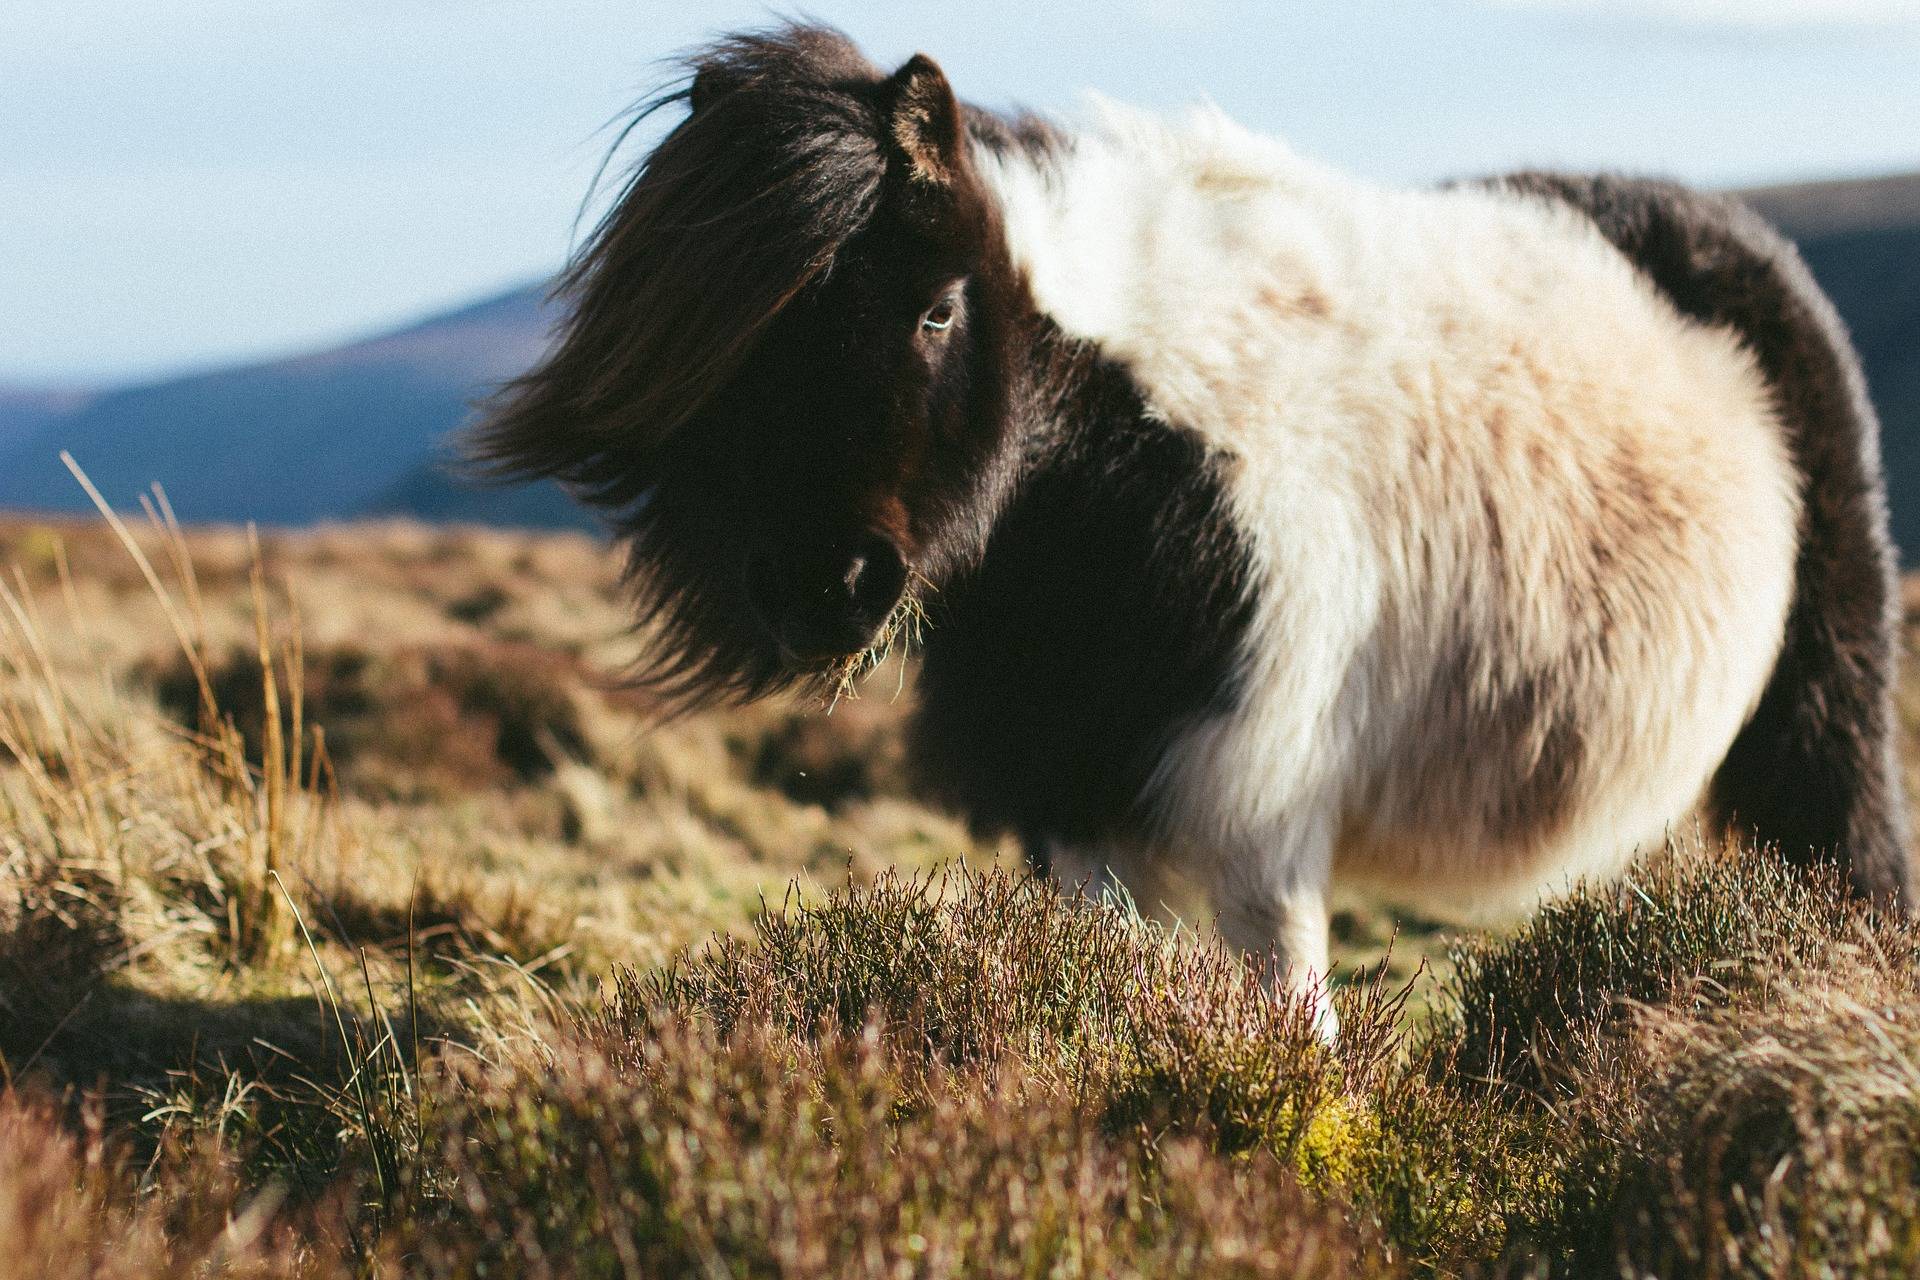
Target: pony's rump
(1814, 771)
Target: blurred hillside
(26, 411)
(353, 430)
(1862, 240)
(360, 429)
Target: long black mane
(743, 205)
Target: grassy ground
(353, 921)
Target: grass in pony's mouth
(903, 627)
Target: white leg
(1100, 873)
(1272, 903)
(1077, 871)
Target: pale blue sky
(191, 182)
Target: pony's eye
(940, 318)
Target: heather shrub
(1154, 1038)
(1688, 925)
(762, 1154)
(999, 971)
(958, 969)
(1779, 1138)
(1724, 1048)
(71, 1208)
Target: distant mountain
(1816, 210)
(361, 429)
(1862, 239)
(320, 436)
(435, 491)
(27, 410)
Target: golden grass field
(341, 890)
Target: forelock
(779, 163)
(749, 199)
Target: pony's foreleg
(1270, 902)
(1111, 874)
(1076, 870)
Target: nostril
(875, 576)
(855, 569)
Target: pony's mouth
(827, 612)
(839, 676)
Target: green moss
(1337, 1143)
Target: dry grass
(354, 922)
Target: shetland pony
(1268, 526)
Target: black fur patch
(1106, 616)
(1815, 769)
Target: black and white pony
(1268, 526)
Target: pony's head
(787, 370)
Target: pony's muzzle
(824, 607)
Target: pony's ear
(926, 121)
(710, 83)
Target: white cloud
(1773, 14)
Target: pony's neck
(1103, 615)
(1144, 236)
